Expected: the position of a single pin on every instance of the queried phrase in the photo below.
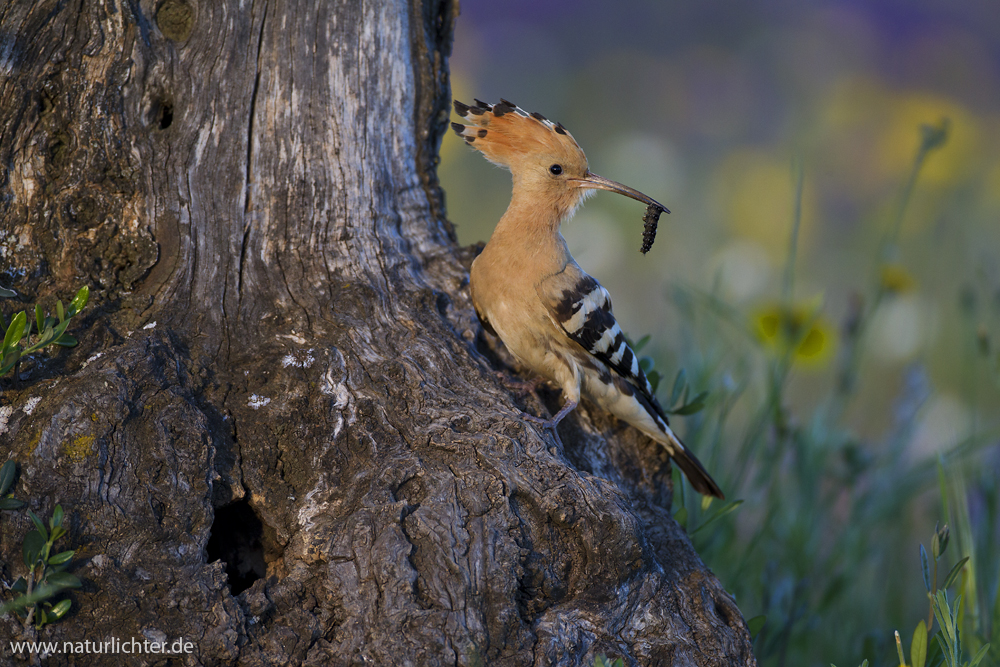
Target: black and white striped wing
(582, 308)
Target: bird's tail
(692, 467)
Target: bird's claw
(551, 424)
(544, 423)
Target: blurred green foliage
(822, 546)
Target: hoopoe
(529, 291)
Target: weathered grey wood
(280, 316)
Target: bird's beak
(591, 181)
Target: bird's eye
(555, 169)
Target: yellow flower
(797, 329)
(896, 279)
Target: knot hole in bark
(160, 113)
(239, 539)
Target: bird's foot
(544, 423)
(553, 423)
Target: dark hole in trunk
(237, 539)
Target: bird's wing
(578, 305)
(582, 309)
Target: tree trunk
(281, 389)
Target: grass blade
(719, 513)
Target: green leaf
(7, 293)
(680, 381)
(646, 364)
(943, 536)
(925, 568)
(20, 586)
(7, 472)
(939, 542)
(719, 513)
(66, 341)
(64, 580)
(918, 647)
(11, 504)
(756, 624)
(79, 301)
(62, 557)
(60, 609)
(641, 343)
(39, 525)
(976, 659)
(695, 405)
(31, 547)
(955, 571)
(681, 517)
(60, 313)
(9, 358)
(946, 619)
(5, 364)
(942, 645)
(57, 517)
(15, 330)
(56, 334)
(45, 337)
(934, 651)
(42, 592)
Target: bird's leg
(554, 422)
(551, 423)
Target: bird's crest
(504, 131)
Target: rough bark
(280, 331)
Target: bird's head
(543, 156)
